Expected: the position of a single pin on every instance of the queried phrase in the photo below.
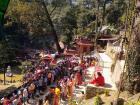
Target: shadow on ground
(7, 91)
(108, 85)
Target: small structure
(83, 45)
(9, 72)
(79, 47)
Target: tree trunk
(4, 76)
(104, 12)
(132, 78)
(52, 28)
(97, 21)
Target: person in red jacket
(6, 101)
(99, 81)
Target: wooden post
(4, 77)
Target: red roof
(84, 42)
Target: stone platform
(92, 90)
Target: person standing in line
(50, 95)
(57, 96)
(78, 78)
(31, 90)
(6, 101)
(70, 88)
(25, 95)
(46, 101)
(40, 84)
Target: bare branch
(53, 10)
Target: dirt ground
(2, 86)
(112, 96)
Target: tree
(68, 25)
(52, 27)
(132, 78)
(3, 8)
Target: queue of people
(55, 83)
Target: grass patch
(15, 77)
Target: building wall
(118, 70)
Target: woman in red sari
(99, 81)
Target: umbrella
(77, 68)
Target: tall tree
(3, 7)
(132, 78)
(52, 26)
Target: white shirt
(25, 93)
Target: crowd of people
(51, 81)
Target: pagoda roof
(84, 42)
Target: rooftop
(84, 41)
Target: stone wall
(92, 90)
(118, 71)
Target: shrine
(80, 47)
(83, 45)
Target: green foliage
(25, 64)
(7, 54)
(97, 100)
(3, 7)
(26, 24)
(106, 92)
(132, 103)
(115, 12)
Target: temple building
(80, 47)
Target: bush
(97, 100)
(24, 65)
(133, 103)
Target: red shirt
(6, 102)
(99, 81)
